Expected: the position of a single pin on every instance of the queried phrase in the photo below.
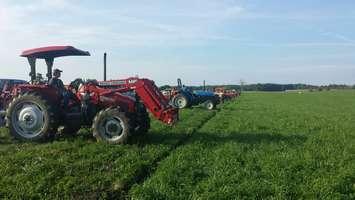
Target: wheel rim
(112, 128)
(210, 105)
(180, 102)
(28, 120)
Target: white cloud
(298, 44)
(40, 23)
(126, 28)
(338, 36)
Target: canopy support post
(49, 62)
(32, 62)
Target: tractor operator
(55, 82)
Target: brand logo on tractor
(110, 83)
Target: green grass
(263, 146)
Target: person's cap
(57, 70)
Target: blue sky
(220, 41)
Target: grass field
(262, 146)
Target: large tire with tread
(30, 117)
(180, 101)
(210, 105)
(111, 126)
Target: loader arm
(150, 96)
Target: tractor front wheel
(210, 105)
(111, 126)
(180, 101)
(31, 118)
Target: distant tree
(272, 87)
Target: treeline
(272, 87)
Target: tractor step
(2, 118)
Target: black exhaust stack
(105, 55)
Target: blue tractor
(184, 97)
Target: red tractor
(226, 95)
(37, 111)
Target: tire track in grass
(148, 171)
(190, 161)
(177, 163)
(140, 180)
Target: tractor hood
(54, 52)
(203, 93)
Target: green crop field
(261, 146)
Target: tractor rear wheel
(111, 126)
(180, 101)
(210, 105)
(31, 118)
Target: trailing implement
(226, 95)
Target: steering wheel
(76, 84)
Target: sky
(220, 41)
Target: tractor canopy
(48, 54)
(53, 52)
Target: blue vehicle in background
(185, 97)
